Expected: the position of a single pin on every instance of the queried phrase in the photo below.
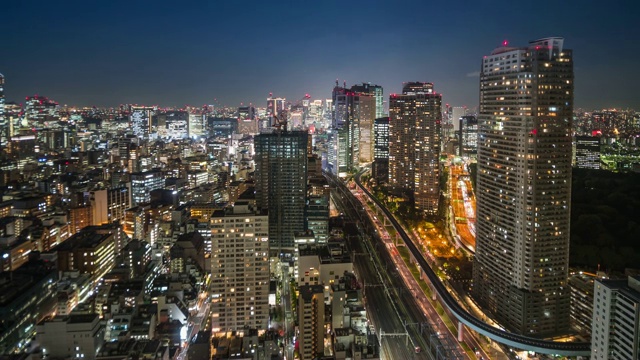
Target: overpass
(496, 334)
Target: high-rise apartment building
(311, 321)
(240, 268)
(615, 328)
(281, 184)
(587, 152)
(414, 143)
(524, 187)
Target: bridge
(502, 336)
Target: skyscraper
(376, 92)
(240, 268)
(352, 130)
(468, 136)
(524, 186)
(4, 129)
(414, 143)
(380, 166)
(281, 184)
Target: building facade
(142, 183)
(414, 143)
(351, 130)
(311, 321)
(587, 152)
(281, 185)
(4, 128)
(380, 166)
(615, 331)
(240, 268)
(524, 187)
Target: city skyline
(109, 54)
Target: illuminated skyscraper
(376, 92)
(4, 129)
(140, 119)
(524, 186)
(351, 131)
(380, 166)
(240, 268)
(281, 184)
(414, 143)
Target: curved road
(502, 336)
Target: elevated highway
(496, 334)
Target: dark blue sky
(173, 53)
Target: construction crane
(280, 121)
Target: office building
(615, 330)
(524, 187)
(317, 213)
(109, 205)
(197, 125)
(457, 112)
(377, 93)
(281, 184)
(352, 130)
(88, 252)
(140, 120)
(311, 321)
(468, 137)
(414, 144)
(142, 183)
(587, 152)
(173, 125)
(240, 268)
(26, 297)
(71, 337)
(380, 166)
(39, 108)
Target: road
(451, 302)
(383, 304)
(463, 204)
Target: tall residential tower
(414, 143)
(524, 186)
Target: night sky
(174, 53)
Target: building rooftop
(81, 318)
(83, 239)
